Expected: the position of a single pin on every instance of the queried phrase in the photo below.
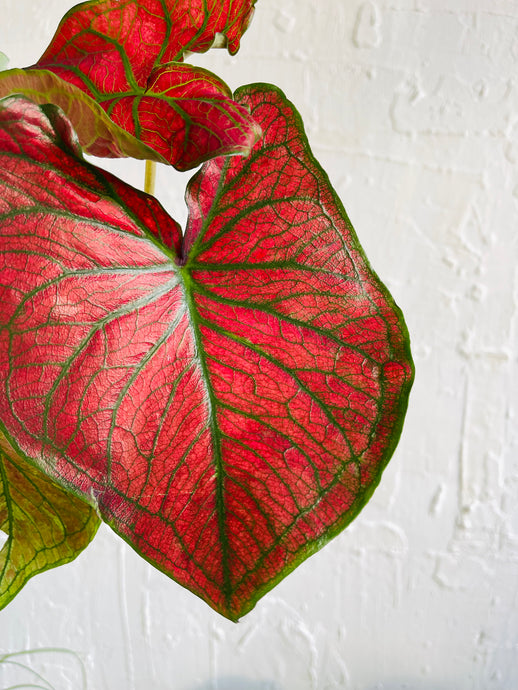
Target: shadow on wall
(238, 683)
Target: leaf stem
(150, 177)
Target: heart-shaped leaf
(228, 401)
(46, 525)
(118, 54)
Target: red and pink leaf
(120, 53)
(98, 134)
(199, 111)
(227, 400)
(102, 38)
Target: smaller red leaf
(100, 36)
(121, 53)
(98, 134)
(199, 111)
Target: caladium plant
(116, 68)
(226, 398)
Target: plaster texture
(412, 108)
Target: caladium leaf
(227, 400)
(99, 135)
(46, 525)
(118, 54)
(202, 119)
(145, 33)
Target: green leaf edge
(8, 596)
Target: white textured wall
(412, 107)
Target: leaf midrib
(219, 466)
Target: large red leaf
(227, 401)
(117, 53)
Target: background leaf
(199, 111)
(46, 525)
(99, 135)
(118, 54)
(228, 401)
(144, 34)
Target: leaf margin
(65, 552)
